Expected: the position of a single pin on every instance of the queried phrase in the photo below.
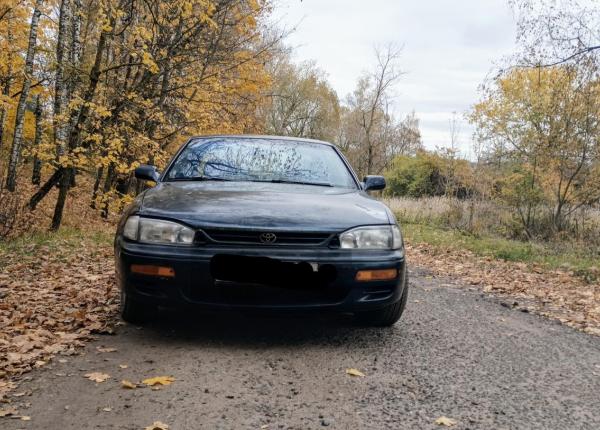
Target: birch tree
(15, 153)
(60, 88)
(8, 77)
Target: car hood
(263, 205)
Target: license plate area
(241, 269)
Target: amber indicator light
(376, 275)
(149, 270)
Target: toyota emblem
(268, 237)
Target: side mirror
(372, 183)
(146, 172)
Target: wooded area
(108, 85)
(92, 89)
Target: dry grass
(484, 229)
(485, 217)
(474, 216)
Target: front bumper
(193, 284)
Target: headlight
(148, 230)
(375, 237)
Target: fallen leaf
(264, 426)
(7, 412)
(159, 380)
(97, 376)
(102, 349)
(157, 425)
(107, 409)
(128, 384)
(25, 418)
(355, 372)
(123, 366)
(445, 421)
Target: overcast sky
(449, 49)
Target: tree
(60, 89)
(370, 102)
(143, 73)
(36, 174)
(7, 76)
(370, 134)
(552, 32)
(15, 153)
(301, 102)
(545, 122)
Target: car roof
(261, 136)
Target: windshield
(261, 160)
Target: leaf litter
(556, 294)
(55, 296)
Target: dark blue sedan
(260, 223)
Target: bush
(428, 175)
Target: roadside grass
(59, 245)
(575, 257)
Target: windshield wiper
(200, 178)
(286, 181)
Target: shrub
(428, 175)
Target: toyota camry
(260, 223)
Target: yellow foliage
(167, 70)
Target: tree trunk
(558, 218)
(37, 163)
(110, 174)
(45, 189)
(15, 153)
(60, 89)
(8, 82)
(75, 53)
(99, 174)
(65, 184)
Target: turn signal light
(144, 269)
(376, 275)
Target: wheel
(388, 315)
(135, 312)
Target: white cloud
(449, 49)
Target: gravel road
(456, 353)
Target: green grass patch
(581, 259)
(63, 242)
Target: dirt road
(455, 353)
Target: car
(260, 223)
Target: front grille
(274, 238)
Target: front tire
(135, 312)
(388, 315)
